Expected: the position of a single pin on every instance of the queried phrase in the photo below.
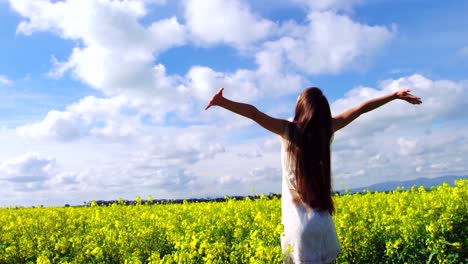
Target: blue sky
(104, 99)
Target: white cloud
(225, 21)
(243, 85)
(73, 19)
(205, 82)
(100, 117)
(32, 172)
(116, 52)
(66, 180)
(160, 30)
(62, 125)
(262, 146)
(256, 153)
(329, 43)
(265, 174)
(4, 80)
(117, 71)
(29, 167)
(378, 161)
(264, 179)
(407, 146)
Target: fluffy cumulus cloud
(116, 51)
(328, 43)
(27, 168)
(225, 21)
(245, 85)
(110, 118)
(33, 172)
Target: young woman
(309, 232)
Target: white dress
(309, 236)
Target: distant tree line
(151, 201)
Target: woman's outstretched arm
(347, 117)
(272, 124)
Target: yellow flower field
(403, 226)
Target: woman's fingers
(208, 105)
(404, 94)
(212, 102)
(412, 99)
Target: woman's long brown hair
(309, 149)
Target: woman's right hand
(404, 94)
(215, 100)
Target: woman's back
(309, 235)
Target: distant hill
(392, 185)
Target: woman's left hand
(404, 94)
